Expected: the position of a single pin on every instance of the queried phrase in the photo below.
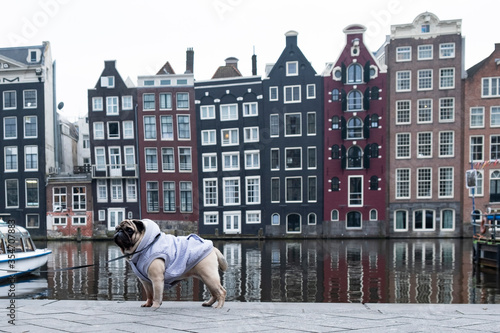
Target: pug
(160, 260)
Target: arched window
(354, 100)
(373, 215)
(354, 128)
(293, 222)
(311, 219)
(373, 183)
(335, 122)
(354, 158)
(275, 219)
(355, 73)
(374, 121)
(335, 95)
(335, 152)
(495, 186)
(334, 215)
(335, 184)
(353, 220)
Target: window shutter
(343, 159)
(104, 81)
(367, 72)
(344, 100)
(366, 127)
(343, 128)
(366, 157)
(343, 73)
(366, 99)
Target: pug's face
(128, 235)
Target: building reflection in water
(368, 271)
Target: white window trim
(206, 168)
(407, 221)
(249, 153)
(209, 111)
(224, 191)
(270, 94)
(307, 91)
(288, 63)
(429, 181)
(398, 51)
(409, 87)
(228, 114)
(205, 192)
(231, 167)
(292, 87)
(452, 182)
(206, 214)
(248, 212)
(246, 190)
(454, 75)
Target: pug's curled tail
(221, 259)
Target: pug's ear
(139, 225)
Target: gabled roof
(166, 69)
(20, 54)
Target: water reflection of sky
(374, 271)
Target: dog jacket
(180, 253)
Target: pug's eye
(129, 230)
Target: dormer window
(425, 28)
(33, 56)
(292, 68)
(107, 81)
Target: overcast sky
(142, 35)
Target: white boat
(18, 253)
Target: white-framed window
(211, 218)
(9, 99)
(424, 144)
(230, 137)
(107, 81)
(403, 112)
(230, 161)
(425, 52)
(446, 109)
(334, 215)
(149, 128)
(232, 222)
(311, 91)
(424, 111)
(207, 112)
(166, 128)
(79, 197)
(477, 117)
(354, 100)
(169, 197)
(403, 183)
(275, 219)
(293, 192)
(252, 159)
(127, 103)
(152, 197)
(182, 100)
(424, 79)
(401, 220)
(293, 124)
(167, 159)
(446, 78)
(495, 116)
(403, 81)
(11, 193)
(148, 102)
(275, 189)
(252, 189)
(423, 219)
(448, 219)
(208, 137)
(97, 104)
(446, 144)
(275, 158)
(112, 105)
(292, 94)
(102, 215)
(30, 127)
(293, 158)
(128, 129)
(113, 130)
(29, 99)
(494, 147)
(373, 215)
(447, 50)
(424, 183)
(355, 191)
(311, 123)
(403, 53)
(476, 148)
(251, 134)
(151, 157)
(274, 125)
(253, 217)
(100, 158)
(355, 73)
(10, 128)
(250, 109)
(131, 188)
(183, 127)
(102, 190)
(229, 112)
(490, 87)
(210, 195)
(59, 220)
(273, 93)
(312, 189)
(31, 158)
(446, 182)
(185, 159)
(79, 220)
(231, 191)
(479, 190)
(165, 101)
(403, 145)
(292, 68)
(312, 162)
(10, 159)
(116, 190)
(186, 197)
(129, 152)
(209, 162)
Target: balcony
(110, 171)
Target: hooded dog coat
(180, 253)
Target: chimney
(254, 65)
(291, 38)
(190, 60)
(232, 61)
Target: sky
(142, 35)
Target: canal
(376, 271)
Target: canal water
(375, 271)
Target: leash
(90, 265)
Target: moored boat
(18, 253)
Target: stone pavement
(113, 316)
